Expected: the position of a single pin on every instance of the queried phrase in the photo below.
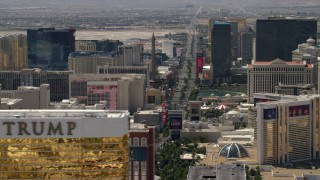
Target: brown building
(142, 154)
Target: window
(143, 165)
(136, 167)
(135, 141)
(151, 99)
(143, 141)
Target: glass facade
(64, 158)
(49, 48)
(246, 48)
(278, 38)
(58, 80)
(221, 49)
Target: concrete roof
(199, 172)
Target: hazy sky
(105, 4)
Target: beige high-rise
(264, 76)
(288, 130)
(13, 52)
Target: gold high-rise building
(64, 144)
(13, 52)
(288, 130)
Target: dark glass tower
(247, 47)
(221, 51)
(49, 48)
(277, 38)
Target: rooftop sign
(63, 128)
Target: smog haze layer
(108, 4)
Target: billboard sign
(175, 122)
(164, 113)
(300, 110)
(270, 113)
(138, 153)
(206, 75)
(258, 100)
(199, 65)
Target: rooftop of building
(58, 113)
(154, 112)
(289, 174)
(286, 18)
(195, 126)
(282, 97)
(201, 172)
(277, 62)
(303, 86)
(122, 67)
(36, 71)
(93, 53)
(230, 171)
(212, 157)
(10, 101)
(220, 23)
(97, 76)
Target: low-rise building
(121, 91)
(298, 89)
(149, 118)
(200, 130)
(30, 97)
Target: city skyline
(170, 89)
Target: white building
(167, 47)
(309, 48)
(308, 52)
(264, 76)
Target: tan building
(8, 103)
(85, 46)
(87, 62)
(195, 110)
(129, 58)
(31, 97)
(13, 52)
(130, 55)
(154, 96)
(64, 144)
(121, 91)
(109, 69)
(264, 76)
(288, 130)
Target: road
(192, 47)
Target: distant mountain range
(105, 4)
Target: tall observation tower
(153, 57)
